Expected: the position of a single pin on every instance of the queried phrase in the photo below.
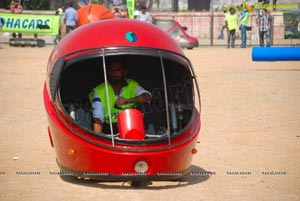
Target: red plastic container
(131, 124)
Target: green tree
(36, 4)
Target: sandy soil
(250, 137)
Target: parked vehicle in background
(177, 32)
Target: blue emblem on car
(131, 37)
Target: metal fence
(208, 28)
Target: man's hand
(139, 99)
(97, 126)
(121, 101)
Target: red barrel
(131, 124)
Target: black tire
(140, 184)
(41, 43)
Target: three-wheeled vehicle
(156, 145)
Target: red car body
(74, 65)
(177, 32)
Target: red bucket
(131, 124)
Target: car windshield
(175, 32)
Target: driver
(123, 93)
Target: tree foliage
(36, 4)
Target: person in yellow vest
(244, 17)
(122, 92)
(231, 21)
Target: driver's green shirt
(128, 91)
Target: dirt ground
(249, 141)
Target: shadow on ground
(197, 175)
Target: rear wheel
(140, 184)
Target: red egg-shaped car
(156, 140)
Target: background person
(244, 17)
(263, 21)
(135, 14)
(70, 18)
(221, 36)
(231, 21)
(58, 37)
(117, 12)
(16, 7)
(143, 15)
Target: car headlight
(141, 167)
